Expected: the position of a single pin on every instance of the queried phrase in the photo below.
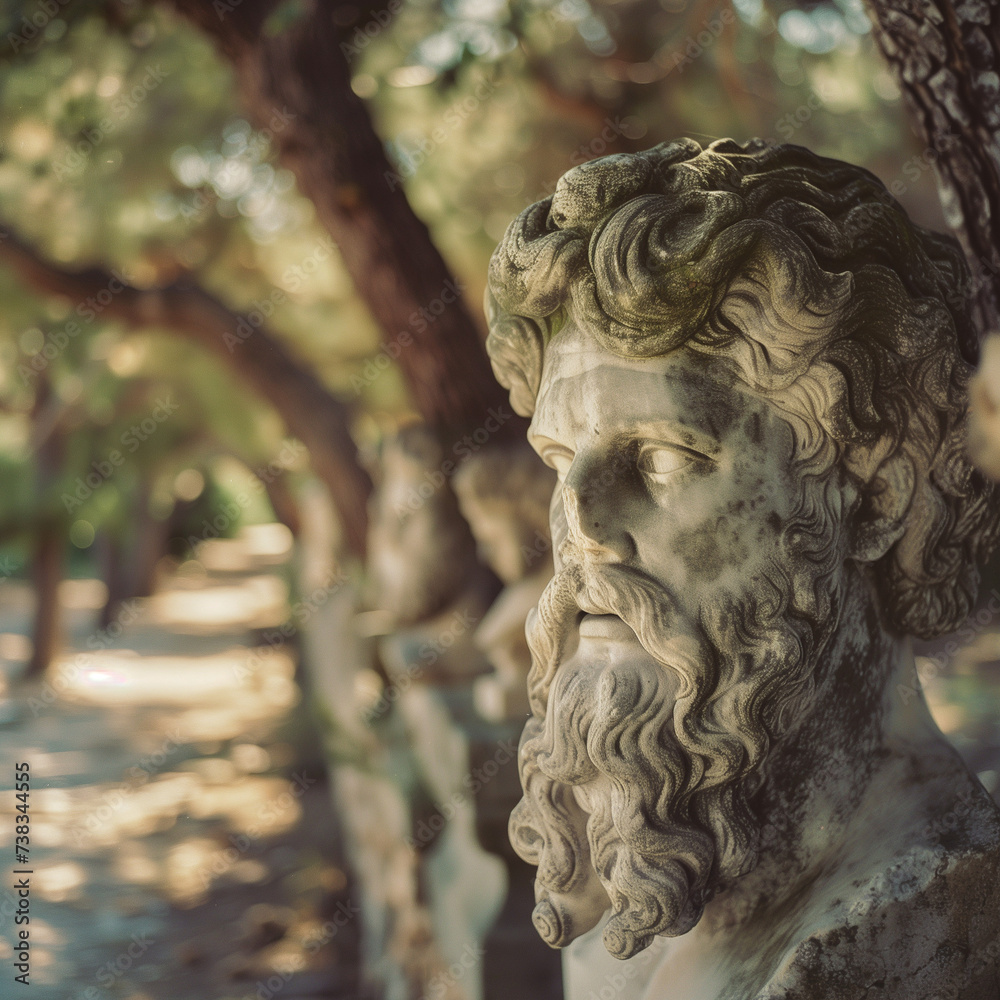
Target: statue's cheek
(708, 549)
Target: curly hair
(807, 278)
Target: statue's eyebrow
(691, 421)
(674, 432)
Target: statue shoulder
(925, 927)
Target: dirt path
(182, 844)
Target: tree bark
(283, 502)
(49, 543)
(312, 414)
(129, 561)
(46, 574)
(946, 59)
(296, 83)
(115, 573)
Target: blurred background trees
(242, 244)
(241, 238)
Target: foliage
(126, 148)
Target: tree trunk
(945, 59)
(129, 560)
(296, 83)
(46, 575)
(147, 546)
(114, 570)
(283, 503)
(49, 541)
(313, 415)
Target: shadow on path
(182, 843)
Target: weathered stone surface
(426, 890)
(425, 577)
(743, 364)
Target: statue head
(504, 494)
(749, 370)
(421, 554)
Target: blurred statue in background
(421, 552)
(431, 891)
(743, 365)
(504, 494)
(428, 584)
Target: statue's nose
(593, 524)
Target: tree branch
(259, 358)
(296, 84)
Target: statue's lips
(606, 627)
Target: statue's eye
(661, 460)
(559, 459)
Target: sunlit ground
(182, 844)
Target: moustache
(646, 605)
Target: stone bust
(750, 372)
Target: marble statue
(427, 585)
(421, 553)
(504, 494)
(742, 363)
(430, 893)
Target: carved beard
(642, 770)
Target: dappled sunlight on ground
(182, 842)
(261, 600)
(83, 595)
(118, 677)
(262, 545)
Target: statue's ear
(880, 519)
